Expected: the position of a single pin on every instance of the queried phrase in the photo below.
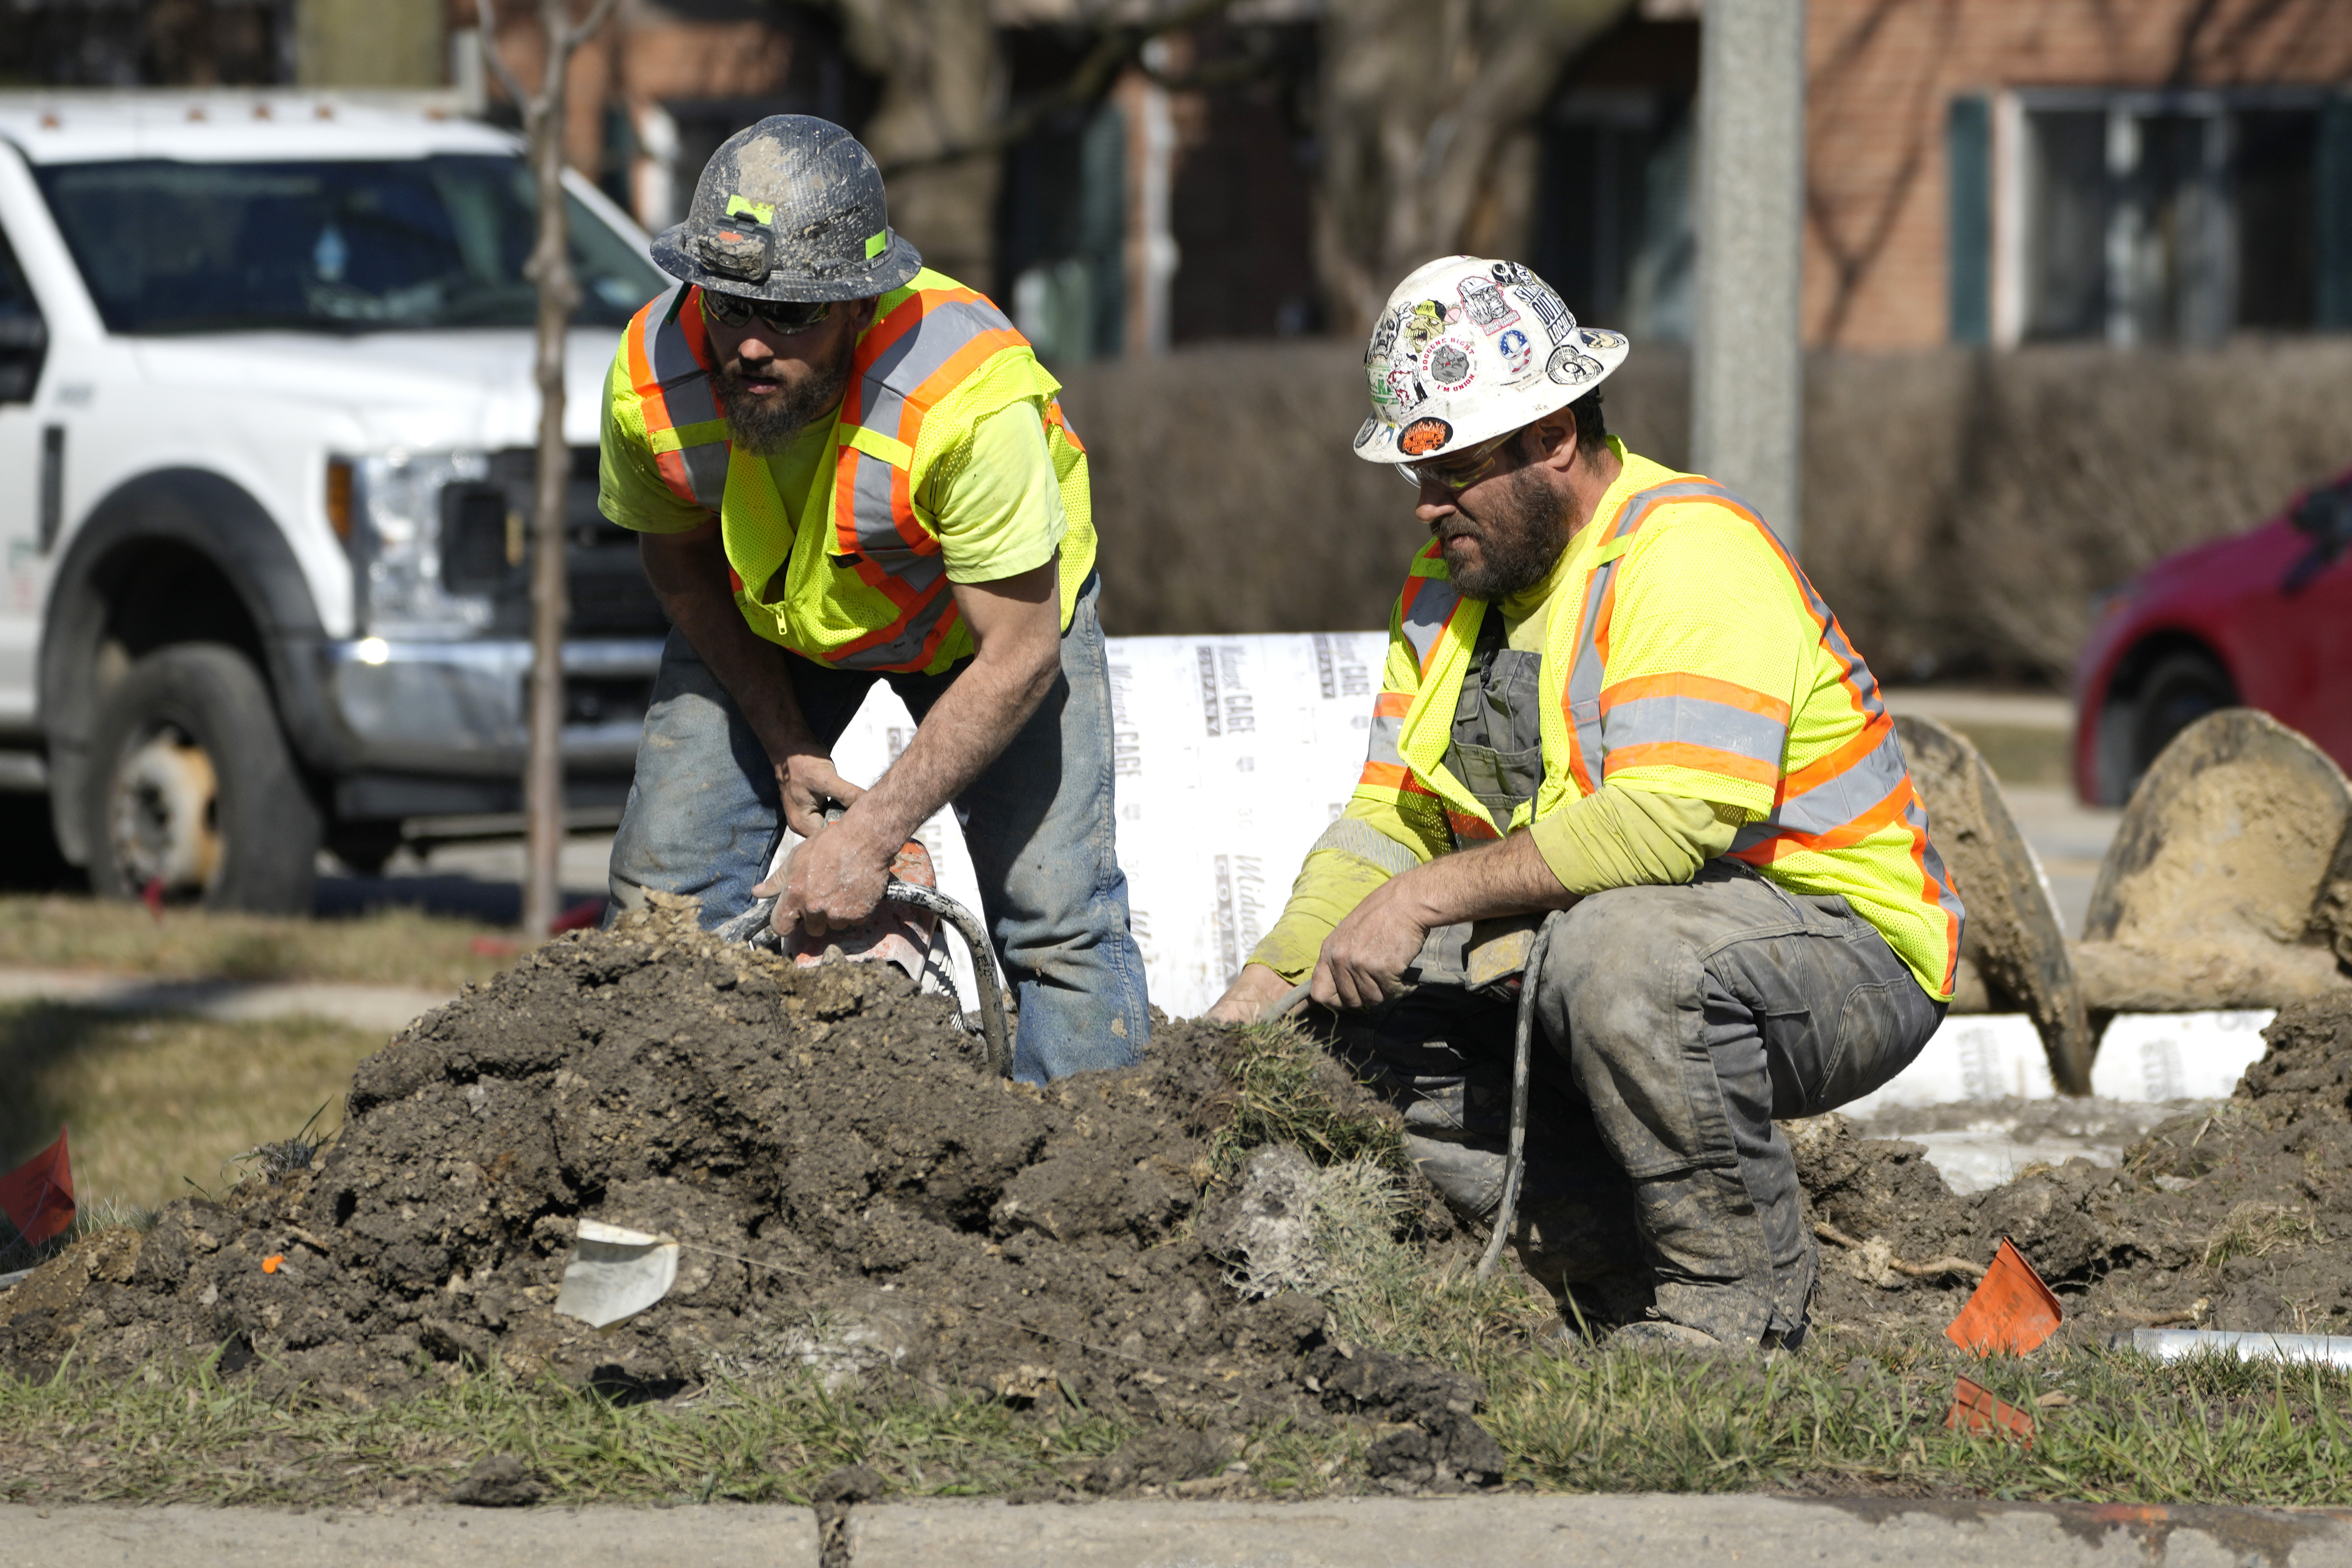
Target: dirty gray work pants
(1676, 1024)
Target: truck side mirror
(24, 344)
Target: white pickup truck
(266, 427)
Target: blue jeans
(703, 819)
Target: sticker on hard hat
(1518, 354)
(1570, 368)
(1447, 364)
(740, 205)
(1423, 435)
(1486, 305)
(1371, 428)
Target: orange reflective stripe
(1468, 826)
(1820, 770)
(1698, 759)
(1386, 775)
(1704, 687)
(1393, 705)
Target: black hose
(983, 966)
(1522, 1050)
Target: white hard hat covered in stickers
(1468, 348)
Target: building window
(2168, 217)
(1613, 231)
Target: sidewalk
(1378, 1532)
(388, 1008)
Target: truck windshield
(406, 244)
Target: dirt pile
(853, 1196)
(853, 1193)
(2237, 1219)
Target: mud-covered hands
(1364, 959)
(834, 879)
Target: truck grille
(485, 550)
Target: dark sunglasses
(785, 316)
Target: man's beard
(1520, 535)
(766, 424)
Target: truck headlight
(397, 546)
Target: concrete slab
(704, 1537)
(1380, 1533)
(1507, 1532)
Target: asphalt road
(1387, 1532)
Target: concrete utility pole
(1748, 364)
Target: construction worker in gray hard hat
(845, 468)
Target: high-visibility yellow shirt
(948, 461)
(1733, 691)
(997, 501)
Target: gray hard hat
(789, 209)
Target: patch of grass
(2132, 1430)
(192, 1437)
(2255, 1229)
(386, 947)
(155, 1101)
(1284, 1086)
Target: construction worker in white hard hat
(1612, 694)
(845, 468)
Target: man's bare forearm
(971, 724)
(1509, 877)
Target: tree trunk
(1420, 102)
(550, 269)
(942, 86)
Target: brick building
(1994, 170)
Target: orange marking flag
(1976, 1412)
(2011, 1313)
(38, 1196)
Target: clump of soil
(2240, 1217)
(853, 1192)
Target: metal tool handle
(983, 966)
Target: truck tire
(193, 792)
(2179, 689)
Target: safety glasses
(784, 315)
(1457, 471)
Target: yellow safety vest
(1850, 822)
(864, 585)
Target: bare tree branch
(597, 16)
(495, 57)
(1121, 45)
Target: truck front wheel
(195, 793)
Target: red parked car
(2260, 620)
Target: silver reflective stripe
(896, 375)
(688, 398)
(1386, 741)
(1835, 802)
(1433, 604)
(1915, 815)
(1367, 844)
(1697, 721)
(907, 647)
(1585, 675)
